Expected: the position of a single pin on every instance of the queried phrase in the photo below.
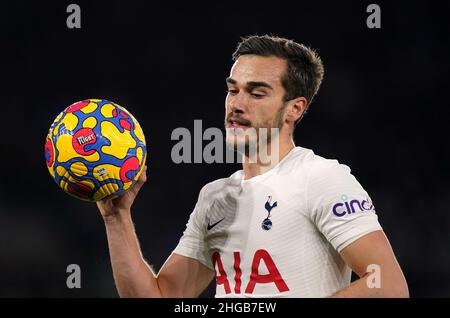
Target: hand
(116, 206)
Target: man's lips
(234, 123)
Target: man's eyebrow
(258, 84)
(251, 84)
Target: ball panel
(90, 122)
(106, 190)
(89, 108)
(129, 169)
(108, 111)
(79, 169)
(120, 142)
(77, 106)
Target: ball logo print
(95, 149)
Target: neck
(266, 159)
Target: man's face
(255, 97)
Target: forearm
(132, 275)
(360, 289)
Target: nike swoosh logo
(210, 226)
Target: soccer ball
(95, 149)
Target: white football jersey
(279, 234)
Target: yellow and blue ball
(95, 149)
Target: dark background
(382, 110)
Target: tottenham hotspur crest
(267, 223)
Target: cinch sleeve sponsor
(338, 205)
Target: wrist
(119, 217)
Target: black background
(382, 110)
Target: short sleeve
(338, 205)
(192, 243)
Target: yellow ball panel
(105, 190)
(88, 183)
(90, 122)
(79, 169)
(120, 142)
(89, 108)
(70, 121)
(107, 110)
(139, 153)
(127, 185)
(61, 171)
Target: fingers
(142, 179)
(110, 206)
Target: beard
(247, 140)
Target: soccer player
(295, 227)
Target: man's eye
(232, 91)
(257, 95)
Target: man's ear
(296, 108)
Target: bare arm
(180, 276)
(373, 248)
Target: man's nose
(238, 104)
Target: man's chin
(235, 143)
(243, 147)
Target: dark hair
(305, 69)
